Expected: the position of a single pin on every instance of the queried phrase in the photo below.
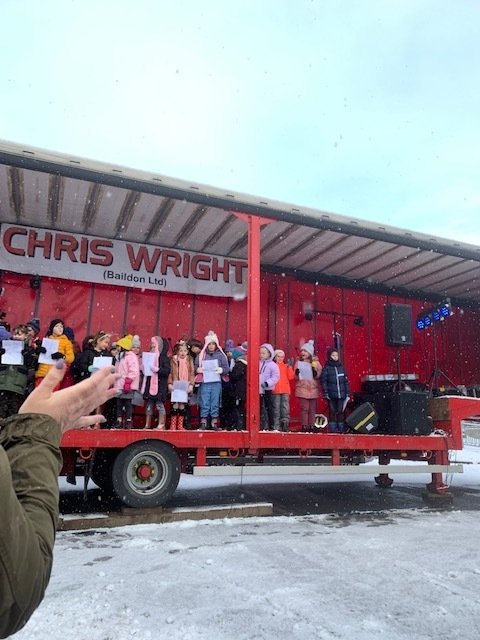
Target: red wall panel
(87, 308)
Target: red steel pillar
(254, 225)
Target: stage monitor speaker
(409, 414)
(363, 419)
(398, 325)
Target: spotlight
(438, 313)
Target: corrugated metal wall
(87, 308)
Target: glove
(2, 351)
(127, 385)
(40, 350)
(219, 370)
(57, 356)
(264, 385)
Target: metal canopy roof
(43, 189)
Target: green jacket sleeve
(30, 462)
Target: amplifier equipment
(402, 413)
(398, 325)
(363, 419)
(409, 413)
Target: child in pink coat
(127, 365)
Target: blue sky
(365, 108)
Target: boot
(203, 424)
(215, 424)
(180, 421)
(332, 427)
(173, 422)
(341, 427)
(128, 423)
(148, 422)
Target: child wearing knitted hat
(307, 372)
(210, 364)
(127, 365)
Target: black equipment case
(363, 419)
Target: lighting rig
(439, 313)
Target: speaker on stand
(398, 325)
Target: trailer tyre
(102, 470)
(146, 474)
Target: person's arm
(30, 461)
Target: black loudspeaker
(409, 414)
(398, 325)
(363, 419)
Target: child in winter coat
(126, 364)
(154, 386)
(281, 393)
(335, 390)
(307, 372)
(65, 350)
(97, 346)
(182, 370)
(209, 392)
(238, 377)
(269, 375)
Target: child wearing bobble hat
(210, 390)
(126, 364)
(307, 372)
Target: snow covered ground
(395, 575)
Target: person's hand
(57, 356)
(2, 351)
(70, 406)
(40, 350)
(200, 370)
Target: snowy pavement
(396, 575)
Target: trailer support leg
(437, 490)
(383, 480)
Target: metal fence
(471, 432)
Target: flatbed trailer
(143, 467)
(114, 248)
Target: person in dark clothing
(154, 386)
(97, 346)
(15, 378)
(336, 391)
(238, 377)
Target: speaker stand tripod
(437, 373)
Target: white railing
(471, 432)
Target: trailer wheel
(102, 470)
(146, 474)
